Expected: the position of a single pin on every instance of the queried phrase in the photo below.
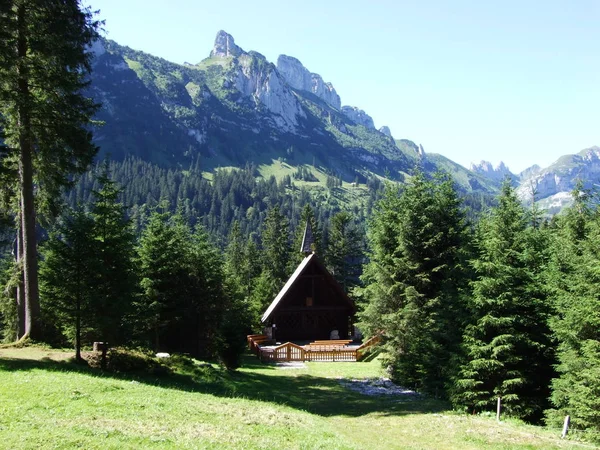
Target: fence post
(498, 411)
(566, 426)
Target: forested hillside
(181, 240)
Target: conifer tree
(275, 243)
(115, 282)
(344, 252)
(507, 346)
(163, 263)
(67, 275)
(574, 279)
(414, 278)
(88, 277)
(44, 116)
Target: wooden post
(498, 411)
(566, 427)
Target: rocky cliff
(298, 77)
(225, 46)
(257, 79)
(358, 116)
(554, 184)
(498, 173)
(386, 130)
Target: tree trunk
(20, 289)
(30, 275)
(78, 330)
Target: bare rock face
(560, 178)
(260, 80)
(358, 116)
(298, 77)
(485, 168)
(385, 130)
(225, 46)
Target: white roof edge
(286, 287)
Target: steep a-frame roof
(297, 273)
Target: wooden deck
(315, 351)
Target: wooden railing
(367, 346)
(315, 351)
(334, 354)
(254, 341)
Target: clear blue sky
(512, 81)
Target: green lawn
(48, 402)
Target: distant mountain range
(235, 107)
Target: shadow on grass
(314, 394)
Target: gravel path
(378, 386)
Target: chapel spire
(308, 240)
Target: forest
(471, 305)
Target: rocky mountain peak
(486, 168)
(358, 116)
(530, 171)
(385, 130)
(225, 46)
(299, 77)
(591, 154)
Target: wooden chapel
(312, 305)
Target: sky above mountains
(504, 81)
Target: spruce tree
(507, 347)
(163, 265)
(115, 281)
(68, 270)
(344, 253)
(275, 244)
(574, 278)
(414, 278)
(44, 116)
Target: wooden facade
(310, 306)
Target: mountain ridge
(235, 107)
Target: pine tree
(67, 275)
(414, 278)
(163, 263)
(275, 243)
(574, 278)
(344, 253)
(115, 282)
(45, 118)
(508, 346)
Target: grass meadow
(48, 402)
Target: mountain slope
(236, 107)
(553, 185)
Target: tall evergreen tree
(414, 278)
(115, 281)
(45, 118)
(275, 243)
(508, 346)
(574, 278)
(88, 276)
(344, 253)
(67, 273)
(163, 263)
